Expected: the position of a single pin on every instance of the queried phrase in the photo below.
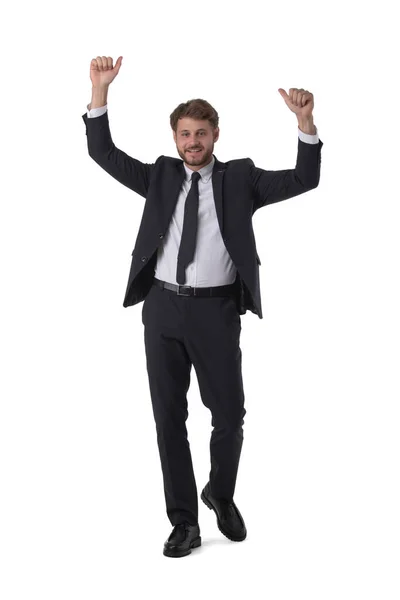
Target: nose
(192, 143)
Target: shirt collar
(205, 172)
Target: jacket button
(161, 235)
(144, 258)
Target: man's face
(192, 134)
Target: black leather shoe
(229, 520)
(183, 538)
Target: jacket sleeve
(274, 186)
(127, 170)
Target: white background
(82, 507)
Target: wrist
(99, 96)
(307, 125)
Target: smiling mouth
(194, 151)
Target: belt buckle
(188, 287)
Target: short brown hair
(195, 109)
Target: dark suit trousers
(181, 331)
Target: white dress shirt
(212, 264)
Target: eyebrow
(201, 129)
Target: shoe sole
(178, 554)
(228, 535)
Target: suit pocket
(145, 303)
(230, 309)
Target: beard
(195, 160)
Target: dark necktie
(189, 230)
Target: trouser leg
(169, 367)
(212, 340)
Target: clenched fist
(102, 72)
(300, 101)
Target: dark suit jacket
(239, 188)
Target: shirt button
(144, 258)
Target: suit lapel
(217, 181)
(171, 190)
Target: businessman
(195, 265)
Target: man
(196, 266)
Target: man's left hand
(300, 101)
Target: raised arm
(274, 186)
(129, 171)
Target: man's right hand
(102, 72)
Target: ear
(216, 134)
(174, 134)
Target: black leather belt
(187, 290)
